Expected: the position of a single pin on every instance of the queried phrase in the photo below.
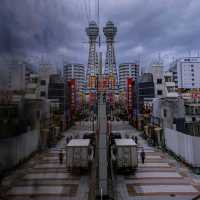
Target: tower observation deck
(110, 65)
(92, 32)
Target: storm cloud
(56, 28)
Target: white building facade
(127, 70)
(14, 75)
(77, 72)
(188, 73)
(158, 79)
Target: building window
(192, 74)
(165, 113)
(192, 65)
(43, 82)
(159, 81)
(42, 93)
(159, 92)
(192, 70)
(192, 79)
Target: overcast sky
(56, 28)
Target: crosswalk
(48, 179)
(158, 178)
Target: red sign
(196, 95)
(130, 85)
(92, 99)
(72, 90)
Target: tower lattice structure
(92, 69)
(110, 69)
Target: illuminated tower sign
(92, 70)
(110, 65)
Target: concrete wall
(15, 149)
(158, 73)
(174, 108)
(185, 146)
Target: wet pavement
(159, 178)
(47, 178)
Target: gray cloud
(56, 28)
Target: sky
(54, 30)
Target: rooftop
(125, 142)
(79, 143)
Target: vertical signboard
(92, 100)
(92, 82)
(72, 90)
(130, 87)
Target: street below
(160, 177)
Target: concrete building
(173, 70)
(158, 79)
(145, 91)
(45, 70)
(77, 72)
(186, 72)
(14, 75)
(56, 89)
(170, 85)
(33, 87)
(58, 102)
(127, 70)
(170, 112)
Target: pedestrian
(61, 156)
(136, 140)
(142, 155)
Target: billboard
(92, 100)
(92, 82)
(72, 93)
(130, 92)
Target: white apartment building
(14, 75)
(127, 70)
(187, 72)
(158, 79)
(77, 72)
(170, 85)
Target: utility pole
(102, 149)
